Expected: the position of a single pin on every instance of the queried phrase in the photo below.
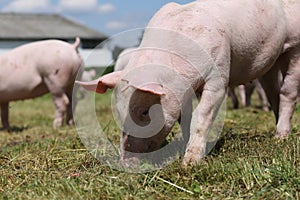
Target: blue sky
(107, 16)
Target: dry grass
(37, 162)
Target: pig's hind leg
(271, 86)
(72, 105)
(262, 95)
(234, 98)
(61, 101)
(288, 93)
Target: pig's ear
(153, 88)
(103, 83)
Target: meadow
(38, 162)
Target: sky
(107, 16)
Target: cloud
(77, 5)
(61, 6)
(84, 6)
(27, 6)
(106, 8)
(116, 25)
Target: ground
(37, 162)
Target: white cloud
(116, 25)
(106, 8)
(60, 6)
(77, 5)
(27, 6)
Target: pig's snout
(138, 145)
(133, 149)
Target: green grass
(37, 162)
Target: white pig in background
(244, 39)
(38, 68)
(245, 92)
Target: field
(37, 162)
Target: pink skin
(123, 59)
(245, 39)
(289, 62)
(38, 68)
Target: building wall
(12, 44)
(92, 57)
(97, 57)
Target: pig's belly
(244, 70)
(246, 75)
(20, 91)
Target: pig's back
(22, 70)
(253, 32)
(292, 10)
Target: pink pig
(206, 45)
(37, 68)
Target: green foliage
(37, 162)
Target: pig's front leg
(5, 115)
(202, 120)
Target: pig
(245, 92)
(37, 68)
(209, 45)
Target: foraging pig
(37, 68)
(245, 91)
(211, 45)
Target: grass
(37, 162)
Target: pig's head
(146, 103)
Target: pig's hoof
(266, 108)
(190, 161)
(192, 157)
(7, 128)
(282, 134)
(57, 124)
(130, 162)
(70, 122)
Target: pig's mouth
(139, 145)
(132, 146)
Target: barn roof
(42, 26)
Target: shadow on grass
(15, 129)
(244, 137)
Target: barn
(21, 28)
